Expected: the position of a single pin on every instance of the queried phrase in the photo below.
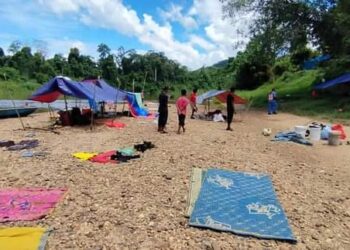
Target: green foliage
(17, 90)
(282, 65)
(337, 66)
(7, 73)
(299, 56)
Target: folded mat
(104, 157)
(27, 204)
(195, 187)
(23, 238)
(242, 203)
(84, 156)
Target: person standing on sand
(272, 102)
(193, 101)
(163, 110)
(181, 106)
(230, 108)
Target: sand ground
(141, 204)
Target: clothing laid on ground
(291, 136)
(230, 108)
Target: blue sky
(190, 32)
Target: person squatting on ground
(181, 105)
(193, 102)
(272, 102)
(230, 108)
(163, 110)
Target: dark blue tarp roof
(343, 79)
(92, 90)
(313, 62)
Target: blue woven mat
(242, 203)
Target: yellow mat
(84, 156)
(23, 238)
(195, 187)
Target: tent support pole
(65, 102)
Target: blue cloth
(291, 136)
(343, 79)
(242, 203)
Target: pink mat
(104, 157)
(115, 124)
(28, 204)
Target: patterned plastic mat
(242, 203)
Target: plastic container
(315, 133)
(334, 138)
(301, 130)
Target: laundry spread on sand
(127, 151)
(28, 204)
(84, 156)
(144, 146)
(291, 136)
(115, 124)
(6, 143)
(239, 202)
(25, 144)
(23, 238)
(104, 157)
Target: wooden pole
(92, 113)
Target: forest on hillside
(284, 35)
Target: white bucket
(333, 139)
(315, 133)
(301, 130)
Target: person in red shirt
(193, 101)
(181, 106)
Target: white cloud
(63, 46)
(217, 43)
(174, 14)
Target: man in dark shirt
(163, 110)
(230, 108)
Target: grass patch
(294, 96)
(17, 90)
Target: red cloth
(339, 128)
(181, 105)
(114, 124)
(193, 98)
(104, 157)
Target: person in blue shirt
(272, 102)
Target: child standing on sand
(181, 105)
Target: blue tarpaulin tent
(313, 62)
(343, 79)
(94, 91)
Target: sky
(193, 32)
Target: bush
(7, 73)
(336, 67)
(300, 56)
(41, 78)
(283, 65)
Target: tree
(14, 47)
(2, 54)
(104, 50)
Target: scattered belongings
(267, 132)
(119, 157)
(33, 154)
(114, 124)
(24, 238)
(6, 143)
(333, 138)
(104, 157)
(25, 144)
(84, 156)
(340, 128)
(239, 202)
(293, 137)
(144, 146)
(28, 204)
(301, 130)
(127, 151)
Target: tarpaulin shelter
(221, 95)
(95, 91)
(343, 79)
(313, 62)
